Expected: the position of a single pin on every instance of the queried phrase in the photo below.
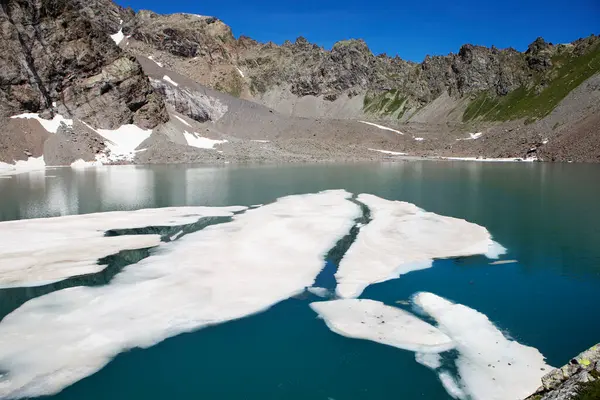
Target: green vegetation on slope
(537, 101)
(389, 103)
(589, 390)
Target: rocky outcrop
(72, 143)
(204, 49)
(58, 57)
(564, 383)
(188, 102)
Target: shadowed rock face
(57, 57)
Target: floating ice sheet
(402, 238)
(373, 320)
(38, 251)
(491, 367)
(220, 273)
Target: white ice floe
(472, 136)
(122, 142)
(240, 72)
(402, 238)
(118, 37)
(495, 250)
(490, 366)
(169, 80)
(319, 292)
(183, 121)
(155, 62)
(195, 140)
(452, 386)
(51, 125)
(419, 139)
(545, 141)
(81, 164)
(381, 127)
(21, 166)
(36, 251)
(373, 320)
(223, 272)
(430, 360)
(394, 153)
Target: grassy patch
(588, 391)
(546, 91)
(389, 103)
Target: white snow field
(402, 238)
(491, 366)
(40, 251)
(373, 320)
(223, 272)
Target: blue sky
(410, 29)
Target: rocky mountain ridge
(205, 49)
(105, 67)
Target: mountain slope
(57, 58)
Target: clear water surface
(546, 215)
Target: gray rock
(60, 52)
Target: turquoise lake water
(546, 215)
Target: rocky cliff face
(58, 57)
(204, 49)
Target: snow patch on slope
(155, 62)
(169, 80)
(381, 127)
(122, 142)
(51, 125)
(118, 37)
(195, 140)
(394, 153)
(183, 121)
